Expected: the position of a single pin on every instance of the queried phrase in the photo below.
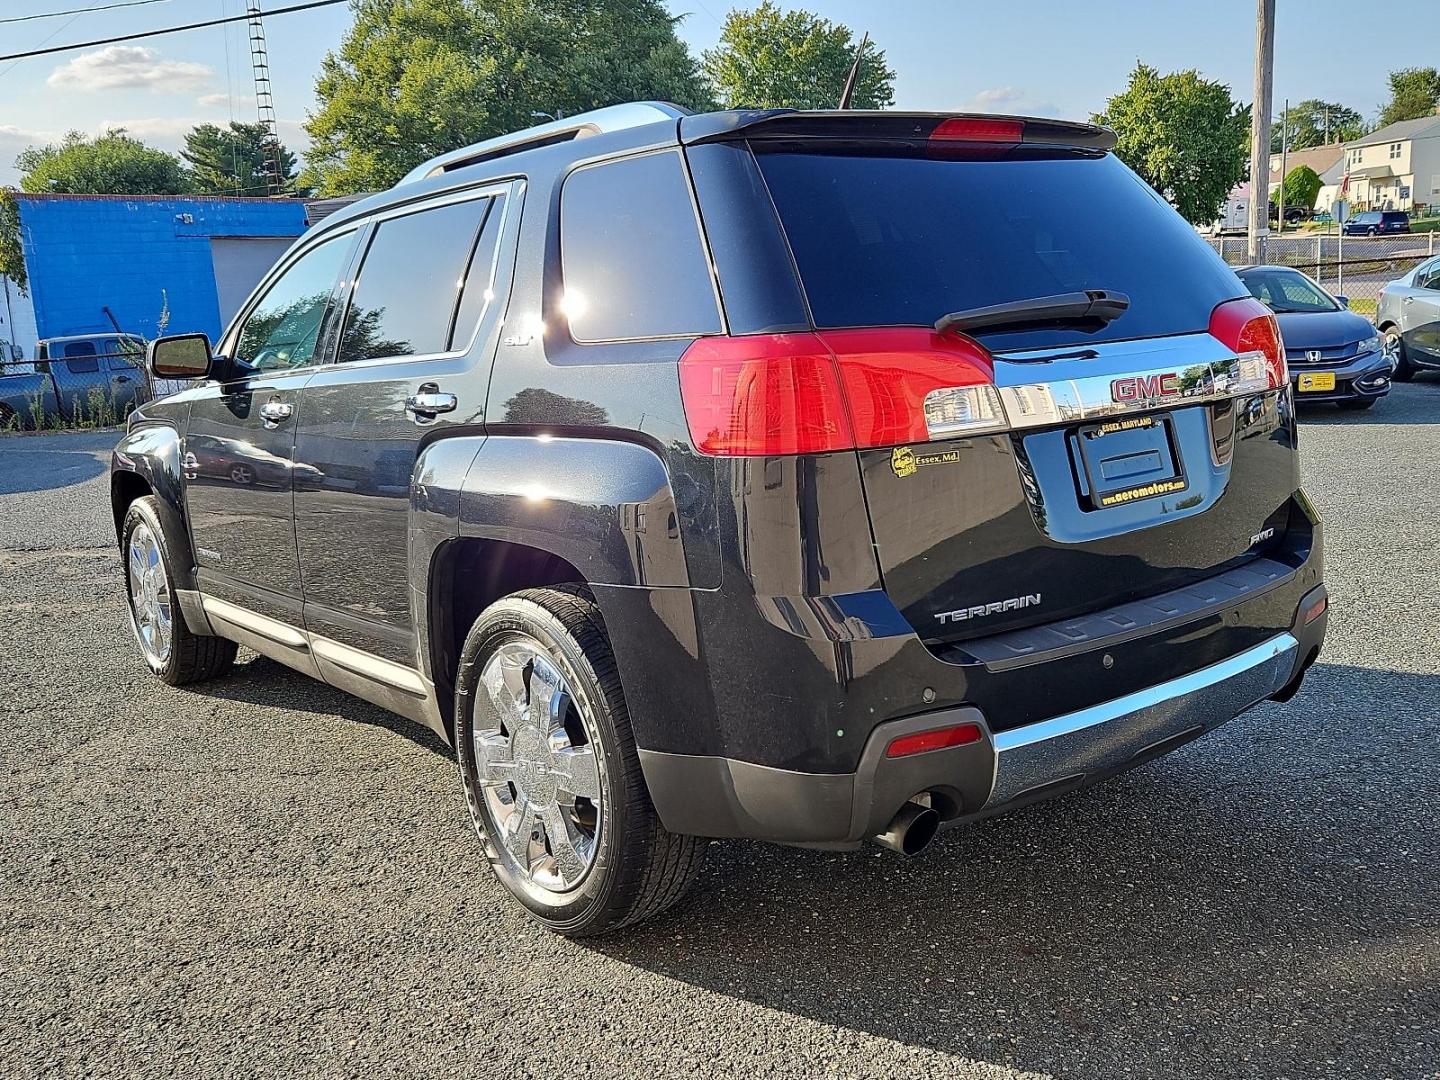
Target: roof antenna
(849, 91)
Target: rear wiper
(1093, 306)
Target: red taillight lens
(766, 394)
(837, 390)
(940, 739)
(1251, 329)
(978, 129)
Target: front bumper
(1366, 376)
(716, 796)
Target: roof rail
(596, 122)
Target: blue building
(140, 255)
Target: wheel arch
(147, 462)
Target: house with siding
(1396, 167)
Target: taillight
(1251, 329)
(836, 390)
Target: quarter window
(404, 299)
(631, 255)
(282, 330)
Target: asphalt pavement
(261, 876)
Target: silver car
(1408, 316)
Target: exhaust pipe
(911, 831)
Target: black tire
(1357, 404)
(192, 657)
(637, 869)
(1404, 369)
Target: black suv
(1377, 223)
(810, 477)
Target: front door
(239, 476)
(1420, 315)
(413, 360)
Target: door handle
(122, 378)
(429, 401)
(272, 412)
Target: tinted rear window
(892, 240)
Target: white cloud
(995, 97)
(131, 66)
(13, 141)
(1012, 100)
(222, 101)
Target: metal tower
(264, 101)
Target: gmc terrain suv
(804, 476)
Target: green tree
(1185, 135)
(1414, 92)
(231, 161)
(12, 256)
(112, 163)
(1306, 123)
(773, 59)
(1301, 185)
(415, 78)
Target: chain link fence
(1357, 267)
(96, 390)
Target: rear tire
(550, 773)
(171, 651)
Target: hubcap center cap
(534, 769)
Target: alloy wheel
(149, 596)
(1390, 348)
(536, 764)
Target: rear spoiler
(892, 127)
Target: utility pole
(1260, 131)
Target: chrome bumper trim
(1108, 735)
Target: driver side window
(1428, 276)
(285, 328)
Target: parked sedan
(1334, 354)
(1409, 319)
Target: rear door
(1420, 313)
(1107, 461)
(413, 363)
(237, 463)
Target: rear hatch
(1077, 463)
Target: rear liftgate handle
(427, 402)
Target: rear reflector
(940, 739)
(836, 390)
(1251, 329)
(1315, 610)
(978, 129)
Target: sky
(1037, 57)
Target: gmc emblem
(1144, 387)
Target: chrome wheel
(537, 768)
(1390, 348)
(149, 596)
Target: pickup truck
(97, 378)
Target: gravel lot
(266, 877)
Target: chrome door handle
(429, 402)
(272, 412)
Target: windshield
(885, 238)
(1287, 291)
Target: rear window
(883, 240)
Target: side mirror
(180, 356)
(1343, 301)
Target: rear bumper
(717, 796)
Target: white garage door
(239, 264)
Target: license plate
(1317, 380)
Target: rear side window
(409, 283)
(885, 240)
(630, 249)
(79, 348)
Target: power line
(168, 30)
(79, 11)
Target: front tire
(550, 772)
(1393, 346)
(171, 651)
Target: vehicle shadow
(1256, 904)
(45, 470)
(268, 683)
